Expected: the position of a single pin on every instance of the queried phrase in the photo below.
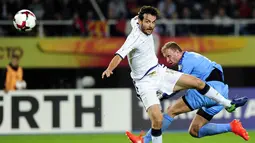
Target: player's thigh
(152, 106)
(188, 82)
(148, 98)
(177, 108)
(168, 79)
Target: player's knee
(199, 84)
(193, 130)
(172, 112)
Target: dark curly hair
(148, 10)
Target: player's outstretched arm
(128, 46)
(113, 64)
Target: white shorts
(160, 78)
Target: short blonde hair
(171, 45)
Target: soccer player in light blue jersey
(212, 73)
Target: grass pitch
(121, 138)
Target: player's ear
(139, 21)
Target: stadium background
(63, 58)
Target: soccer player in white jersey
(149, 77)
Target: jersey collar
(180, 62)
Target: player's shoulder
(196, 57)
(134, 22)
(191, 55)
(134, 34)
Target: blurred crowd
(83, 13)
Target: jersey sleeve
(134, 22)
(129, 45)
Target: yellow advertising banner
(97, 52)
(59, 52)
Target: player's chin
(171, 64)
(148, 32)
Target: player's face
(148, 23)
(172, 56)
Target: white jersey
(139, 48)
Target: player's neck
(181, 56)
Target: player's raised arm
(134, 22)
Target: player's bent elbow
(172, 112)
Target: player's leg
(190, 82)
(180, 106)
(153, 108)
(200, 127)
(190, 101)
(156, 118)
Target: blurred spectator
(37, 7)
(95, 28)
(14, 75)
(212, 5)
(132, 8)
(79, 28)
(166, 8)
(12, 6)
(197, 8)
(233, 9)
(206, 29)
(120, 27)
(186, 13)
(66, 10)
(221, 11)
(221, 17)
(206, 14)
(81, 6)
(244, 9)
(184, 29)
(116, 8)
(223, 22)
(251, 27)
(49, 7)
